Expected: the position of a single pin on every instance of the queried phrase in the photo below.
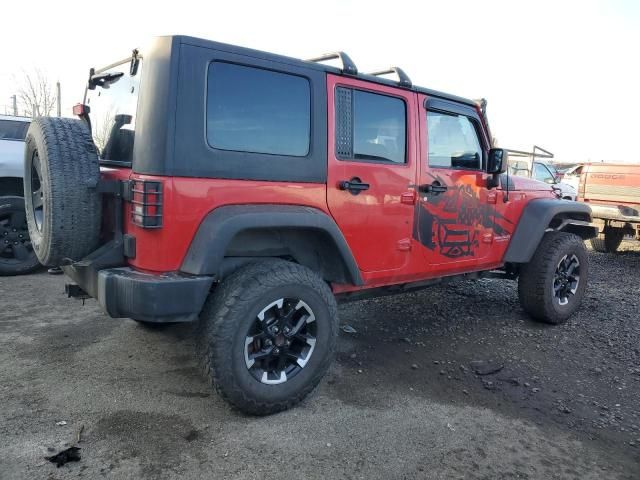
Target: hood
(526, 184)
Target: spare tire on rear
(61, 196)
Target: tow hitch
(74, 290)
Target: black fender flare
(217, 231)
(547, 214)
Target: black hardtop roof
(199, 42)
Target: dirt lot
(401, 401)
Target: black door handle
(436, 188)
(355, 185)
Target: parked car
(252, 191)
(544, 172)
(571, 175)
(16, 253)
(613, 193)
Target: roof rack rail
(348, 66)
(403, 78)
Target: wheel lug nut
(267, 343)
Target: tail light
(80, 110)
(146, 203)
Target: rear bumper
(127, 293)
(614, 212)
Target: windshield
(112, 112)
(13, 130)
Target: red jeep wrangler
(250, 191)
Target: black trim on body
(542, 215)
(252, 231)
(447, 106)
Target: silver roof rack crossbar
(403, 78)
(348, 66)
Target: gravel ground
(403, 399)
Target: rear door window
(13, 130)
(257, 110)
(370, 126)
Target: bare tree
(36, 95)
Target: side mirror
(498, 161)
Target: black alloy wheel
(280, 341)
(566, 279)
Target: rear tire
(267, 335)
(608, 241)
(62, 202)
(16, 253)
(552, 284)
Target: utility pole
(58, 100)
(15, 105)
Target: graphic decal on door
(451, 222)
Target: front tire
(551, 286)
(268, 335)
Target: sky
(563, 75)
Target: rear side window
(258, 111)
(370, 126)
(13, 130)
(453, 142)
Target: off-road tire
(608, 241)
(13, 228)
(227, 315)
(70, 218)
(535, 285)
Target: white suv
(16, 253)
(543, 172)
